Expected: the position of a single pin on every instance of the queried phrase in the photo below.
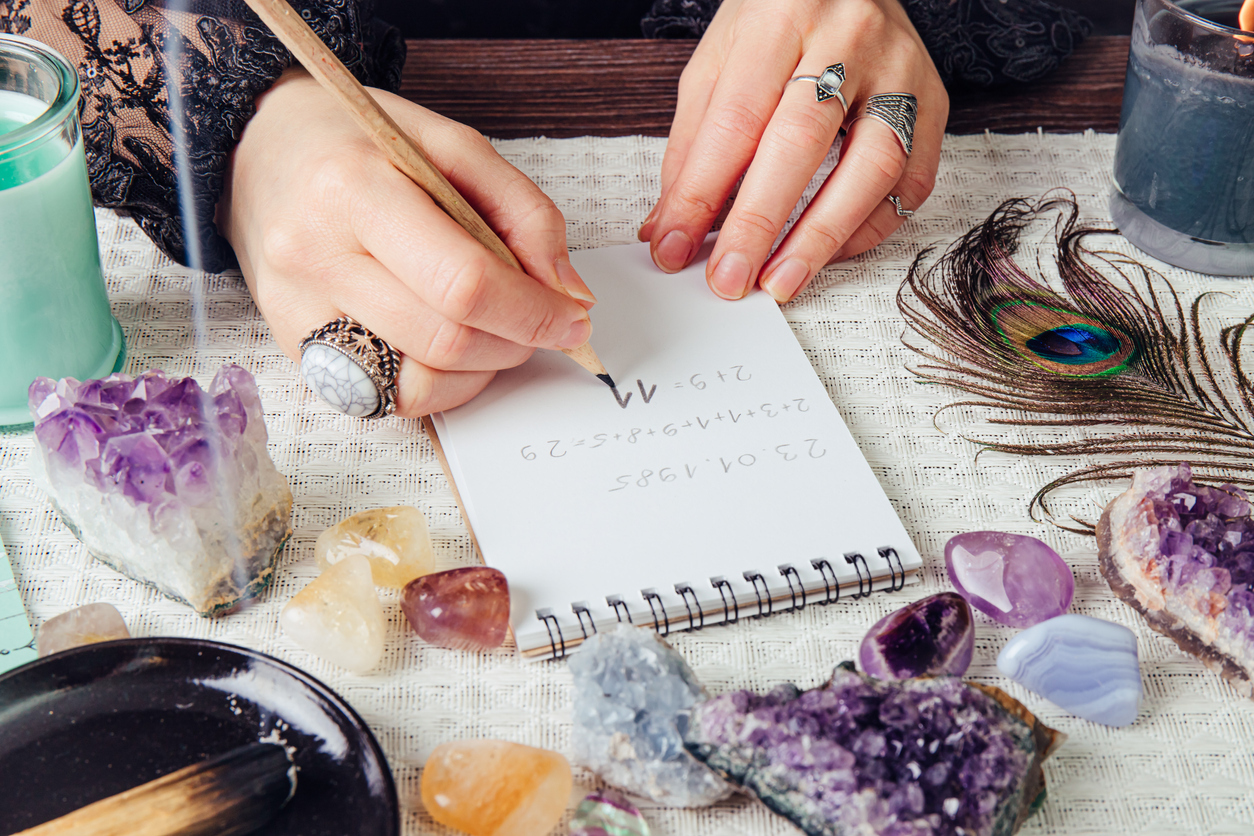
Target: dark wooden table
(616, 88)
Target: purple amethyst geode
(1182, 554)
(915, 757)
(165, 482)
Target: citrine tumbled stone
(465, 609)
(496, 788)
(394, 540)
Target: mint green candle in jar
(54, 313)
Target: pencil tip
(606, 379)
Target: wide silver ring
(896, 110)
(827, 84)
(351, 368)
(902, 212)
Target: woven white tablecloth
(1185, 766)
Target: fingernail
(580, 331)
(646, 228)
(731, 276)
(674, 251)
(572, 283)
(786, 279)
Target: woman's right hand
(323, 226)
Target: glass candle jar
(54, 313)
(1184, 159)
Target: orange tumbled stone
(496, 788)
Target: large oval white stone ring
(351, 368)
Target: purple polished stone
(934, 636)
(1012, 578)
(931, 756)
(164, 481)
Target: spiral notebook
(716, 482)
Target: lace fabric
(140, 60)
(979, 43)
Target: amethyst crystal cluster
(165, 482)
(1183, 555)
(860, 755)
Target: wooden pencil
(402, 150)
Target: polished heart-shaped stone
(463, 609)
(607, 812)
(1086, 665)
(1012, 578)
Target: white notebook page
(719, 453)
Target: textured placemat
(1185, 766)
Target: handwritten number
(697, 384)
(623, 481)
(622, 401)
(669, 429)
(690, 470)
(766, 408)
(740, 369)
(649, 395)
(662, 474)
(526, 455)
(631, 439)
(702, 424)
(814, 455)
(783, 451)
(600, 439)
(801, 404)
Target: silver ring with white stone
(896, 110)
(827, 84)
(351, 368)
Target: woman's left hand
(737, 114)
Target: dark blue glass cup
(1184, 159)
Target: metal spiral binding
(580, 610)
(789, 572)
(730, 615)
(649, 595)
(853, 559)
(824, 568)
(684, 591)
(550, 621)
(753, 578)
(617, 601)
(898, 577)
(731, 606)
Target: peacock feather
(1107, 346)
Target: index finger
(746, 95)
(456, 276)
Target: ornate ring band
(896, 201)
(827, 84)
(351, 368)
(896, 110)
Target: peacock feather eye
(1061, 341)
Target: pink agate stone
(465, 609)
(1012, 578)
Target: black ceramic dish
(90, 722)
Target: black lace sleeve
(142, 61)
(972, 42)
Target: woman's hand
(323, 225)
(737, 114)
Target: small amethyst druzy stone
(934, 756)
(934, 636)
(165, 482)
(1182, 554)
(1012, 578)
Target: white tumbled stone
(339, 381)
(338, 616)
